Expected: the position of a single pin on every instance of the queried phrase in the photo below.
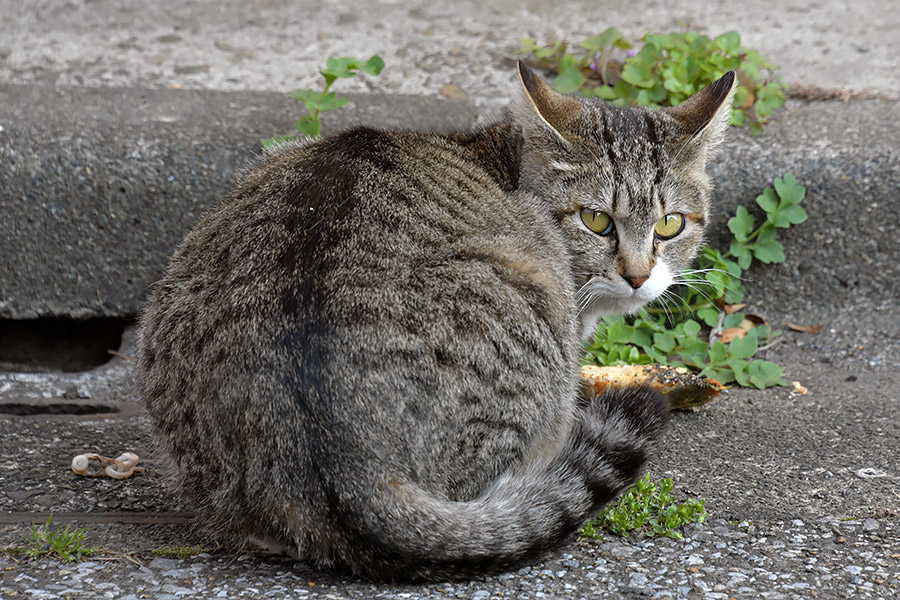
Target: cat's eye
(669, 226)
(597, 221)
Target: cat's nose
(636, 282)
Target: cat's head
(629, 185)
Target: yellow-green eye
(597, 221)
(669, 226)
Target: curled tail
(411, 535)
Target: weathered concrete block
(97, 186)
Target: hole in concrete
(54, 408)
(51, 344)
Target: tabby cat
(367, 354)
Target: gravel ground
(716, 560)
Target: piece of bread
(683, 388)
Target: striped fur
(367, 354)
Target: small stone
(168, 39)
(694, 559)
(870, 525)
(870, 473)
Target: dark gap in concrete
(22, 409)
(58, 344)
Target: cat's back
(361, 191)
(317, 228)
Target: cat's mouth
(598, 296)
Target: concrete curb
(97, 185)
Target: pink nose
(636, 282)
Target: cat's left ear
(704, 116)
(542, 108)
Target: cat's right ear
(704, 116)
(543, 107)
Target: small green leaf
(610, 37)
(308, 126)
(732, 320)
(729, 43)
(793, 215)
(742, 255)
(330, 101)
(788, 189)
(768, 201)
(641, 338)
(735, 295)
(638, 74)
(619, 332)
(738, 368)
(551, 51)
(763, 374)
(570, 78)
(768, 251)
(741, 224)
(710, 316)
(526, 45)
(717, 352)
(719, 281)
(691, 328)
(340, 67)
(373, 66)
(602, 91)
(665, 341)
(305, 95)
(743, 347)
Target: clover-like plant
(667, 69)
(318, 101)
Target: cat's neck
(496, 149)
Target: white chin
(623, 300)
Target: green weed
(66, 544)
(685, 329)
(318, 101)
(666, 70)
(646, 507)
